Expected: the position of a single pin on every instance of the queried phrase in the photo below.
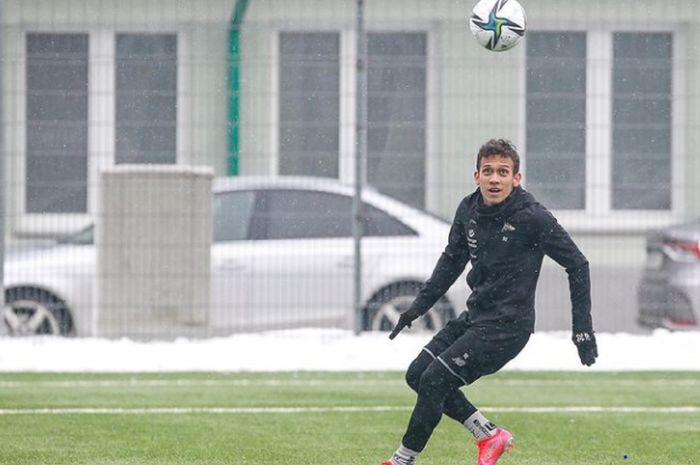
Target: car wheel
(385, 306)
(31, 312)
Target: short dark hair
(500, 147)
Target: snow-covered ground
(335, 350)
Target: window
(379, 223)
(316, 117)
(396, 114)
(73, 125)
(146, 98)
(309, 106)
(295, 214)
(298, 214)
(641, 121)
(56, 123)
(232, 215)
(556, 118)
(599, 114)
(85, 236)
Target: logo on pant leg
(461, 361)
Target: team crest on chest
(507, 227)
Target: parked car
(669, 292)
(282, 256)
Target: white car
(282, 257)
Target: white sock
(404, 456)
(480, 427)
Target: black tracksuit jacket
(506, 244)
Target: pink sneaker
(491, 448)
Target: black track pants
(458, 355)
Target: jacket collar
(500, 211)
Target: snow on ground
(334, 350)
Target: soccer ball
(498, 25)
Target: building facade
(600, 98)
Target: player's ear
(517, 178)
(476, 177)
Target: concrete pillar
(153, 239)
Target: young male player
(505, 233)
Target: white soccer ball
(498, 25)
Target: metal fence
(601, 99)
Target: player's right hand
(405, 320)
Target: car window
(300, 214)
(232, 215)
(85, 236)
(379, 223)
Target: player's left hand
(587, 347)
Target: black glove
(587, 347)
(405, 319)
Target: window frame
(598, 215)
(348, 81)
(101, 118)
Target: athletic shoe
(386, 462)
(491, 448)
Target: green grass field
(340, 418)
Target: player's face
(496, 179)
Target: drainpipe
(3, 186)
(234, 85)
